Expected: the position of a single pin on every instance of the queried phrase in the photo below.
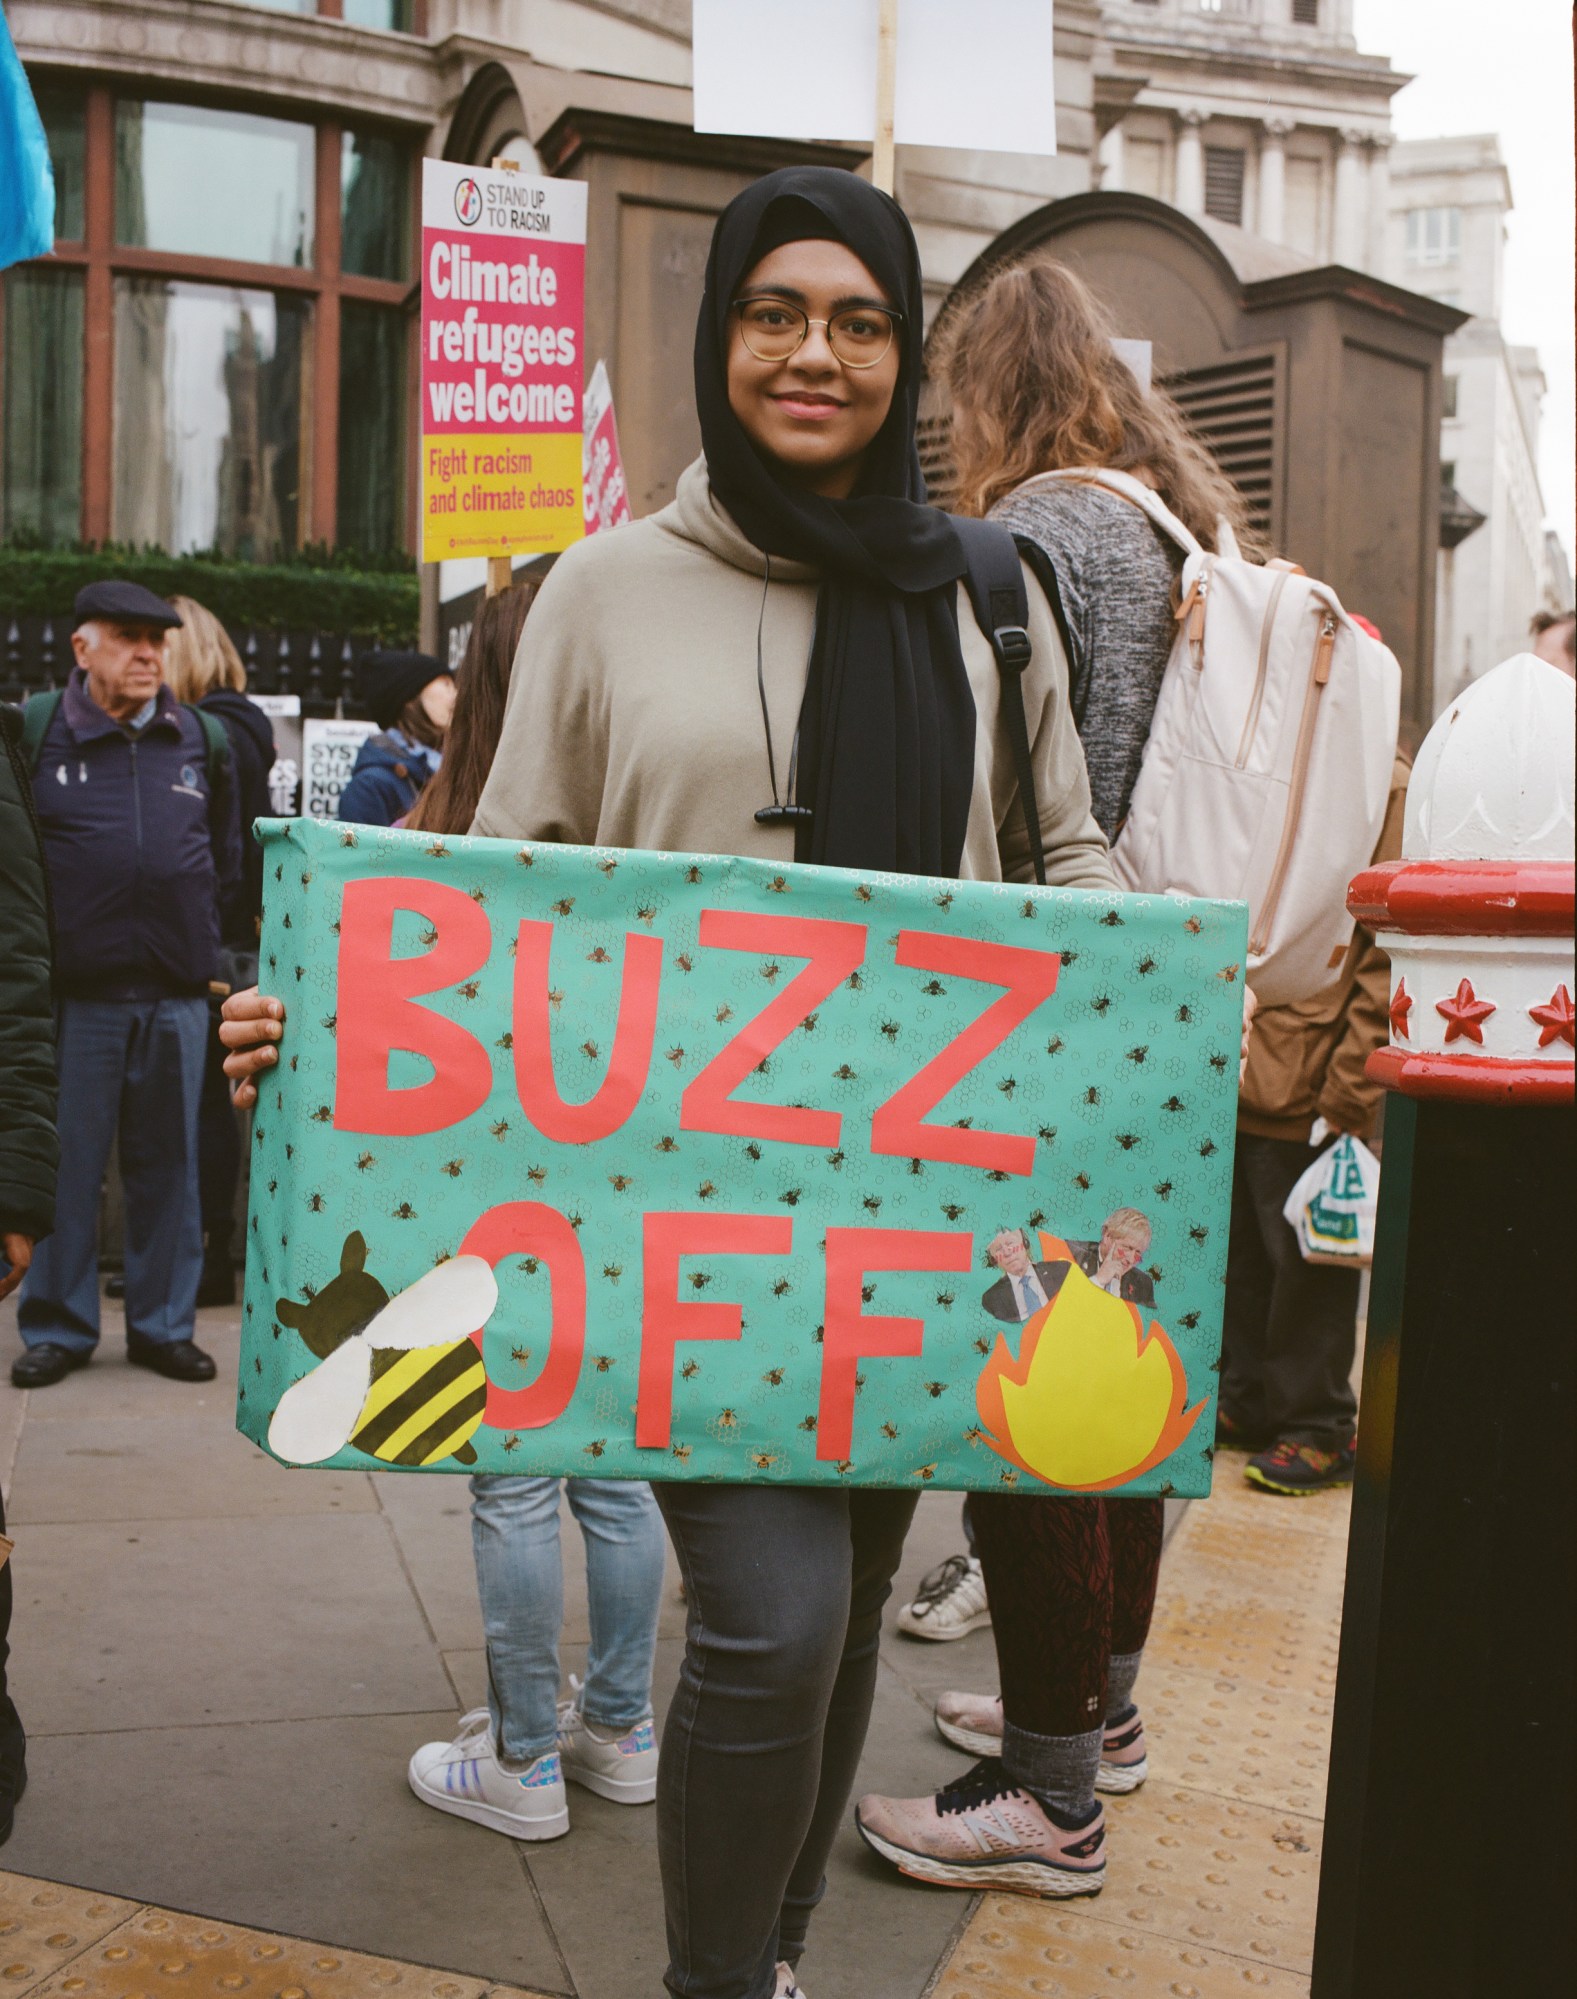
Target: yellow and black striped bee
(773, 1377)
(383, 1383)
(690, 1370)
(682, 1452)
(596, 1447)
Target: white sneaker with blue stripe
(466, 1778)
(621, 1765)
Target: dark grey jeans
(785, 1587)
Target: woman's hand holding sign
(251, 1023)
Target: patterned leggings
(1071, 1583)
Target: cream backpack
(1268, 767)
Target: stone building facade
(1446, 237)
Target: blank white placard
(976, 74)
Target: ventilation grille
(1306, 13)
(1231, 409)
(1224, 183)
(934, 436)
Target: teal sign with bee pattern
(680, 1166)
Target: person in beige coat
(1290, 1328)
(782, 663)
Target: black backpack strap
(1044, 570)
(36, 718)
(995, 583)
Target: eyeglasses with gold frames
(773, 329)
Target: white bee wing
(316, 1414)
(447, 1304)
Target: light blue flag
(27, 180)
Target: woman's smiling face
(811, 415)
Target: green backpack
(40, 710)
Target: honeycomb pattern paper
(679, 1166)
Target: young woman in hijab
(1036, 386)
(782, 663)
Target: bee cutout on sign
(685, 1167)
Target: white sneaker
(620, 1767)
(465, 1777)
(950, 1602)
(788, 1986)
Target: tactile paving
(1213, 1873)
(44, 1924)
(148, 1953)
(1213, 1867)
(1238, 1739)
(1014, 1950)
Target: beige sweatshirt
(634, 719)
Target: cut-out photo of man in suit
(1025, 1287)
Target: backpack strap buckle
(1011, 644)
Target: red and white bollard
(1449, 1830)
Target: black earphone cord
(781, 812)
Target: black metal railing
(322, 668)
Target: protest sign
(284, 775)
(328, 754)
(666, 1166)
(503, 286)
(988, 85)
(607, 496)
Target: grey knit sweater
(1116, 573)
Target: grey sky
(1505, 66)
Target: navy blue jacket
(386, 782)
(140, 855)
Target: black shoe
(42, 1366)
(216, 1286)
(178, 1360)
(115, 1284)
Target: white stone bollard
(1477, 915)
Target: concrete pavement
(223, 1667)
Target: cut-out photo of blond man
(1112, 1263)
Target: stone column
(1273, 178)
(1189, 192)
(1379, 258)
(1456, 1625)
(1347, 223)
(1110, 156)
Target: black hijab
(887, 729)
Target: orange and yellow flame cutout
(1092, 1401)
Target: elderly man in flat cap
(137, 806)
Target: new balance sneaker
(984, 1832)
(1124, 1761)
(788, 1986)
(950, 1602)
(970, 1721)
(974, 1722)
(1295, 1470)
(618, 1764)
(466, 1778)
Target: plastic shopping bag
(1331, 1210)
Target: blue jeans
(520, 1579)
(138, 1063)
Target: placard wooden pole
(500, 568)
(882, 166)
